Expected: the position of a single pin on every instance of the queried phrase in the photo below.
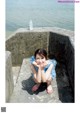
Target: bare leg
(43, 76)
(33, 70)
(49, 86)
(34, 73)
(35, 87)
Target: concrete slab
(22, 92)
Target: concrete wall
(58, 42)
(23, 45)
(9, 78)
(62, 50)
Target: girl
(43, 70)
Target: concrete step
(22, 91)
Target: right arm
(39, 74)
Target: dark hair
(41, 52)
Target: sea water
(42, 13)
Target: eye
(37, 58)
(42, 58)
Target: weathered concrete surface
(15, 73)
(60, 47)
(59, 43)
(22, 92)
(24, 42)
(9, 78)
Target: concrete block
(9, 78)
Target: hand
(42, 66)
(35, 64)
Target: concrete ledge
(9, 78)
(24, 42)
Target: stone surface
(59, 44)
(22, 92)
(9, 78)
(15, 73)
(24, 42)
(61, 48)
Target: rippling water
(43, 13)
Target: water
(43, 13)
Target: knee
(49, 79)
(38, 81)
(44, 81)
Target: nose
(40, 61)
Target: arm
(35, 64)
(39, 74)
(47, 74)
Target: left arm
(47, 73)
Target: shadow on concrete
(61, 48)
(64, 89)
(29, 83)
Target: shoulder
(49, 64)
(52, 61)
(32, 59)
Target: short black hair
(41, 52)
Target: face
(40, 59)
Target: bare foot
(49, 89)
